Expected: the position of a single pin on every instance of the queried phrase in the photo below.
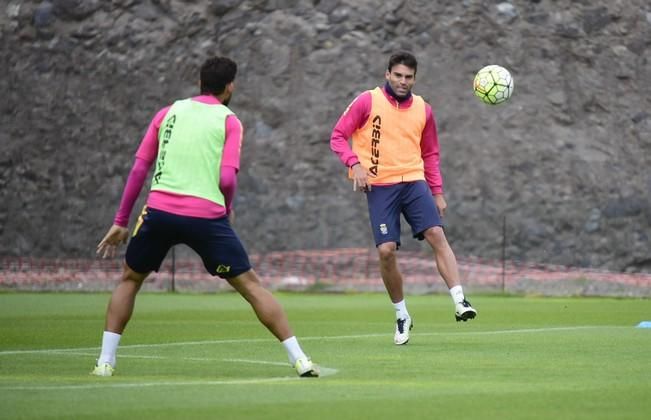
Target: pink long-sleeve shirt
(356, 115)
(184, 205)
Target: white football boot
(306, 368)
(104, 369)
(464, 311)
(403, 326)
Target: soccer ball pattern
(493, 84)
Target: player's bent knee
(130, 275)
(245, 283)
(435, 235)
(387, 250)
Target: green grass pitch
(206, 356)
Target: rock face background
(563, 168)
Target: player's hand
(115, 236)
(441, 204)
(360, 178)
(231, 216)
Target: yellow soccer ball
(493, 84)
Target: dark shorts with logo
(412, 199)
(214, 240)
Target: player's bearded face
(229, 93)
(227, 99)
(401, 78)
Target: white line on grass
(135, 346)
(128, 356)
(316, 338)
(106, 384)
(192, 359)
(258, 362)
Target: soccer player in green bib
(194, 145)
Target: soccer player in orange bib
(194, 145)
(394, 159)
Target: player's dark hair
(405, 58)
(216, 73)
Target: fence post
(504, 254)
(173, 283)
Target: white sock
(401, 310)
(457, 294)
(294, 351)
(110, 343)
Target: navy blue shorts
(214, 240)
(413, 199)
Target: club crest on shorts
(223, 268)
(383, 229)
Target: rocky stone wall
(562, 168)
